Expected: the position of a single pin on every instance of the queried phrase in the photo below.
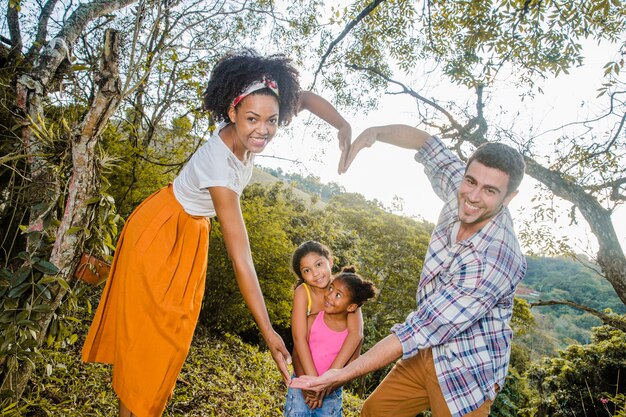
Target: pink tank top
(324, 343)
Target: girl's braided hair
(361, 289)
(237, 70)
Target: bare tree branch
(13, 21)
(613, 321)
(464, 130)
(42, 30)
(364, 13)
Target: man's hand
(317, 383)
(366, 139)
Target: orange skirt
(150, 304)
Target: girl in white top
(150, 304)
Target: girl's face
(315, 270)
(338, 298)
(255, 122)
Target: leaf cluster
(589, 377)
(222, 377)
(25, 296)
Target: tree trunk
(610, 255)
(32, 87)
(84, 184)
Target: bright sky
(384, 172)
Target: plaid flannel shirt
(465, 294)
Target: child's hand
(313, 399)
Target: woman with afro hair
(150, 304)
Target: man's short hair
(503, 157)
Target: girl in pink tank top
(312, 263)
(326, 335)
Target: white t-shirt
(212, 165)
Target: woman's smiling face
(255, 122)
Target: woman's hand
(280, 354)
(344, 134)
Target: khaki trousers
(410, 388)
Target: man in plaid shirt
(455, 346)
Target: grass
(222, 376)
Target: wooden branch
(613, 321)
(6, 40)
(364, 13)
(13, 21)
(464, 130)
(616, 195)
(42, 30)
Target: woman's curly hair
(235, 71)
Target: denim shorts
(296, 407)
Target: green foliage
(522, 321)
(565, 279)
(472, 42)
(309, 184)
(21, 295)
(141, 170)
(583, 379)
(221, 377)
(24, 301)
(390, 252)
(514, 397)
(268, 214)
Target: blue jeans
(296, 407)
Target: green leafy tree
(583, 379)
(272, 215)
(515, 395)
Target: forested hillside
(555, 278)
(309, 184)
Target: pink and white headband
(265, 82)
